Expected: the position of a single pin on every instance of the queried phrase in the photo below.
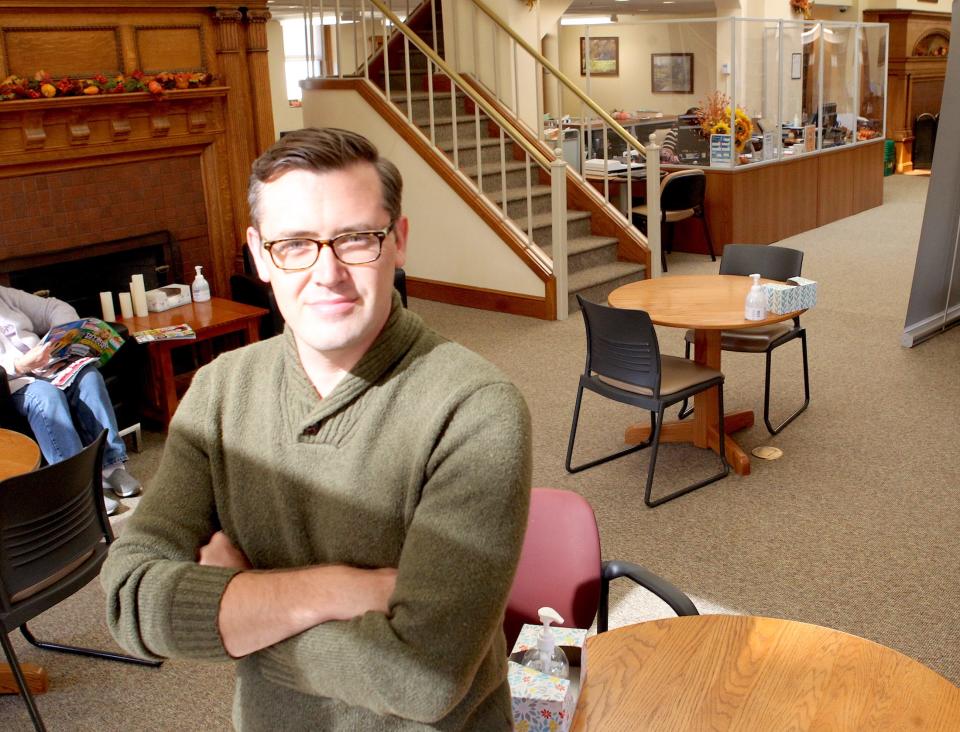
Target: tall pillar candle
(126, 306)
(106, 306)
(138, 293)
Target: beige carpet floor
(855, 527)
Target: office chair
(774, 263)
(569, 575)
(54, 535)
(624, 364)
(681, 197)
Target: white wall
(449, 242)
(285, 117)
(631, 90)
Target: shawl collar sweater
(419, 459)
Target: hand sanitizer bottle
(200, 287)
(756, 305)
(548, 657)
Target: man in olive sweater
(341, 507)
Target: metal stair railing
(382, 21)
(505, 82)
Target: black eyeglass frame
(381, 235)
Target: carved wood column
(261, 105)
(241, 135)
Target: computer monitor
(693, 147)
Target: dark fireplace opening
(79, 274)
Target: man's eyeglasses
(354, 247)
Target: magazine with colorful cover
(75, 344)
(180, 332)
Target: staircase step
(584, 252)
(540, 197)
(596, 283)
(489, 150)
(578, 224)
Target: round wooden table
(18, 454)
(707, 304)
(735, 672)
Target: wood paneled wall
(223, 127)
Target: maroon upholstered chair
(560, 567)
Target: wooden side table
(736, 672)
(209, 319)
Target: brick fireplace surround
(76, 171)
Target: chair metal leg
(598, 461)
(93, 653)
(603, 609)
(700, 484)
(806, 390)
(684, 412)
(706, 235)
(22, 683)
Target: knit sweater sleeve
(456, 568)
(160, 602)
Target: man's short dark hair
(321, 150)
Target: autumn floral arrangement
(44, 86)
(714, 119)
(802, 7)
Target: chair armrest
(666, 591)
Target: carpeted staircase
(592, 265)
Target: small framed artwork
(671, 73)
(604, 56)
(796, 65)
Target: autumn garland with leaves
(44, 86)
(714, 119)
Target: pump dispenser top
(548, 657)
(200, 289)
(755, 308)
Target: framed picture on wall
(796, 65)
(604, 56)
(671, 73)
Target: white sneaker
(122, 483)
(112, 504)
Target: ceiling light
(586, 20)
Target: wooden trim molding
(485, 299)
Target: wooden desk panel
(763, 204)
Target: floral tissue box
(543, 703)
(797, 294)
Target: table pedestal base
(687, 432)
(36, 677)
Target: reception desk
(764, 203)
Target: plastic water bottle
(756, 306)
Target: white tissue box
(797, 294)
(170, 296)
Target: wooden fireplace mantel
(214, 133)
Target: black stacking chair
(54, 535)
(774, 263)
(624, 364)
(681, 197)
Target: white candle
(126, 306)
(139, 295)
(106, 305)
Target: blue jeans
(65, 420)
